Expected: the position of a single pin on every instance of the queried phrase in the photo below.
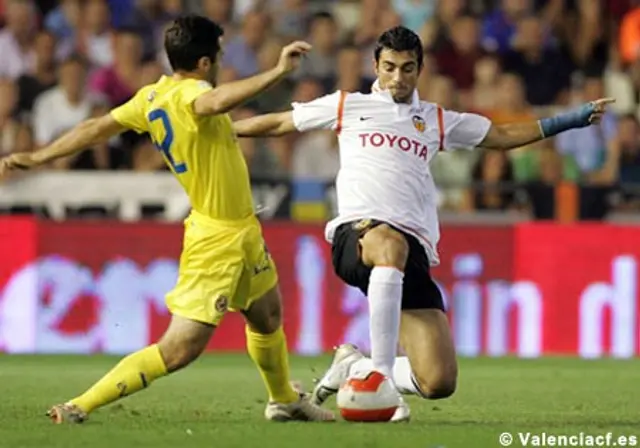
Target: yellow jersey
(202, 152)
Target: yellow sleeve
(192, 90)
(132, 114)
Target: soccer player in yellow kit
(224, 264)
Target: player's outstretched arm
(269, 125)
(514, 135)
(226, 97)
(83, 136)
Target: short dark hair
(190, 38)
(321, 16)
(75, 58)
(399, 39)
(129, 30)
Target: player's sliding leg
(267, 347)
(385, 251)
(430, 368)
(181, 344)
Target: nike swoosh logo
(365, 118)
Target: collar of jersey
(375, 89)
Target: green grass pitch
(219, 401)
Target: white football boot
(345, 356)
(403, 413)
(302, 410)
(336, 375)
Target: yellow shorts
(225, 265)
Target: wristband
(575, 118)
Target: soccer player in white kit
(385, 236)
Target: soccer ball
(368, 396)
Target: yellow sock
(133, 373)
(269, 353)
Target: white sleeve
(463, 130)
(321, 113)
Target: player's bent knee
(265, 315)
(267, 325)
(183, 342)
(383, 246)
(176, 356)
(436, 385)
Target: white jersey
(385, 151)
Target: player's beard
(401, 99)
(401, 95)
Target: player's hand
(291, 56)
(17, 161)
(599, 108)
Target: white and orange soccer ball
(368, 396)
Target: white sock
(402, 374)
(385, 305)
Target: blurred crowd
(64, 61)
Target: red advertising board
(586, 278)
(529, 290)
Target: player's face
(398, 72)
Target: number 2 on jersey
(165, 144)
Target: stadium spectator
(426, 75)
(492, 184)
(485, 90)
(118, 81)
(385, 19)
(321, 62)
(220, 11)
(511, 105)
(629, 162)
(11, 131)
(94, 39)
(64, 20)
(290, 18)
(508, 59)
(415, 13)
(172, 8)
(539, 191)
(589, 146)
(59, 109)
(241, 53)
(500, 26)
(148, 19)
(618, 84)
(590, 52)
(16, 39)
(546, 71)
(369, 19)
(458, 57)
(451, 169)
(42, 77)
(279, 96)
(349, 72)
(436, 31)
